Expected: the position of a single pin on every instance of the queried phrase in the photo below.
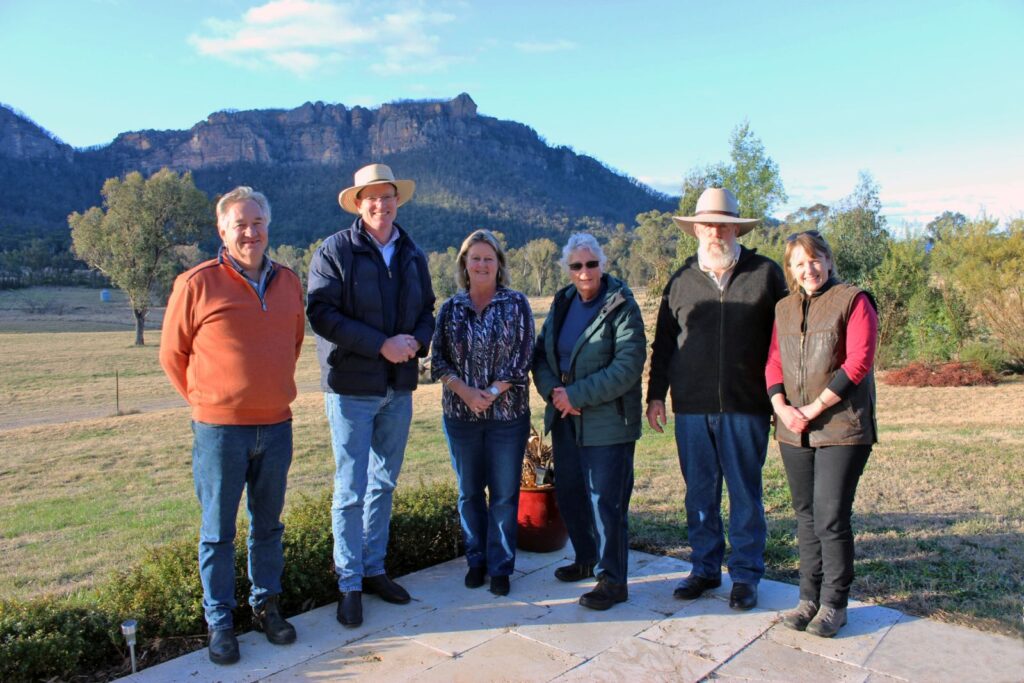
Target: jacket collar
(365, 241)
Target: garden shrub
(956, 374)
(49, 638)
(53, 638)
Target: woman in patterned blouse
(482, 351)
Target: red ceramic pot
(541, 528)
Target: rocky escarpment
(20, 138)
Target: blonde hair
(240, 194)
(476, 237)
(812, 243)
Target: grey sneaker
(797, 619)
(827, 622)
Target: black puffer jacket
(345, 304)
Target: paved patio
(540, 633)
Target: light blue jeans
(368, 436)
(227, 459)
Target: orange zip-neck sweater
(229, 353)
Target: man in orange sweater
(231, 336)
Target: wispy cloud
(302, 36)
(550, 46)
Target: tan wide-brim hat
(717, 205)
(374, 174)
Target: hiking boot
(605, 595)
(798, 618)
(827, 622)
(571, 573)
(223, 647)
(270, 621)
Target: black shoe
(269, 620)
(475, 577)
(223, 647)
(499, 585)
(571, 573)
(606, 595)
(743, 596)
(693, 586)
(386, 589)
(350, 608)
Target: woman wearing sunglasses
(587, 366)
(821, 383)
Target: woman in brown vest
(821, 384)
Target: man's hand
(400, 348)
(560, 399)
(656, 416)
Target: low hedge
(65, 637)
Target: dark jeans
(729, 447)
(823, 482)
(488, 454)
(225, 460)
(593, 485)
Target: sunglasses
(812, 233)
(580, 264)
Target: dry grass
(938, 514)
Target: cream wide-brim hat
(374, 174)
(717, 205)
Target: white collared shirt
(387, 250)
(723, 281)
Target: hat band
(719, 213)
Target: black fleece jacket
(711, 346)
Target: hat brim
(347, 197)
(744, 225)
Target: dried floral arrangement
(538, 463)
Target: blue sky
(927, 96)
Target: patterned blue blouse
(496, 345)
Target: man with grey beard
(710, 348)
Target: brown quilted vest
(812, 341)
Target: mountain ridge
(471, 170)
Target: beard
(717, 254)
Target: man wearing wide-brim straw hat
(371, 305)
(710, 348)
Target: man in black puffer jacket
(371, 305)
(710, 346)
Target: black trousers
(823, 482)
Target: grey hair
(240, 194)
(581, 240)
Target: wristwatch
(493, 391)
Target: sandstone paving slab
(636, 659)
(318, 632)
(586, 632)
(775, 595)
(924, 650)
(528, 563)
(456, 628)
(507, 657)
(706, 627)
(865, 628)
(765, 661)
(381, 656)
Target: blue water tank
(105, 296)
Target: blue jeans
(226, 459)
(368, 436)
(732, 446)
(593, 485)
(489, 454)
